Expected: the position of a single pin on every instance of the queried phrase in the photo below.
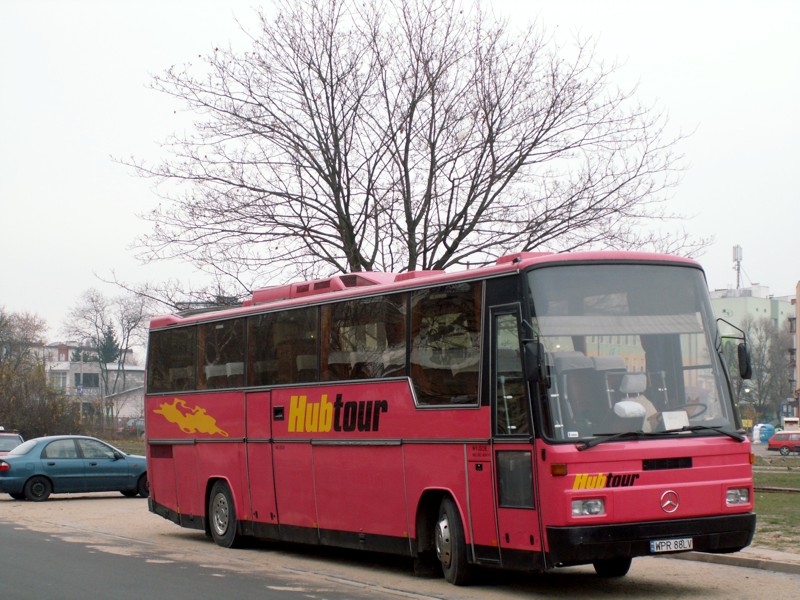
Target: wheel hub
(220, 515)
(444, 545)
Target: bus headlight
(591, 507)
(736, 496)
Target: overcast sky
(73, 94)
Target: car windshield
(23, 448)
(629, 348)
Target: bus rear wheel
(612, 567)
(451, 549)
(222, 515)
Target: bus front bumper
(582, 545)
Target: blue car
(68, 464)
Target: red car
(785, 442)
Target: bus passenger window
(445, 346)
(282, 347)
(364, 338)
(222, 354)
(171, 360)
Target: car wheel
(612, 567)
(143, 486)
(38, 488)
(128, 493)
(451, 549)
(17, 496)
(222, 515)
(785, 450)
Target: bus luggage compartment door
(517, 514)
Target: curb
(741, 561)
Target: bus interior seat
(307, 367)
(340, 365)
(367, 369)
(632, 387)
(610, 371)
(235, 373)
(216, 376)
(265, 371)
(394, 362)
(181, 378)
(575, 405)
(633, 384)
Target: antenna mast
(737, 264)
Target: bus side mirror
(535, 365)
(745, 368)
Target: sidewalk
(754, 557)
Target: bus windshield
(629, 349)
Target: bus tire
(222, 515)
(612, 567)
(451, 549)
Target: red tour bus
(547, 411)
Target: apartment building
(735, 304)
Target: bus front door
(518, 524)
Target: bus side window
(296, 343)
(445, 346)
(262, 359)
(222, 353)
(362, 337)
(278, 344)
(171, 360)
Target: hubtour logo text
(324, 416)
(584, 481)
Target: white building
(71, 370)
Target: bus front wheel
(222, 515)
(451, 549)
(612, 567)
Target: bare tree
(109, 328)
(772, 369)
(27, 402)
(20, 335)
(404, 135)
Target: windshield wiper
(610, 437)
(717, 428)
(638, 435)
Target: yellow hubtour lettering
(584, 481)
(320, 417)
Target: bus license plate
(676, 545)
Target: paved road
(36, 567)
(115, 537)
